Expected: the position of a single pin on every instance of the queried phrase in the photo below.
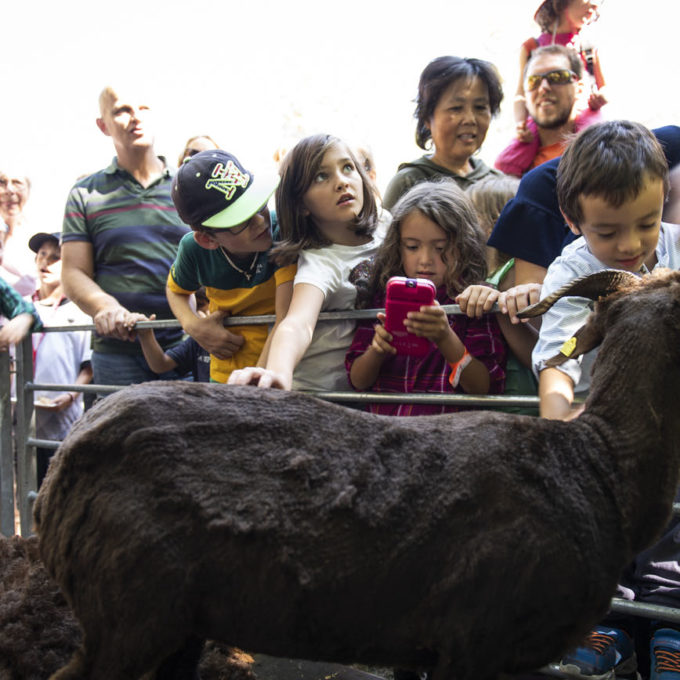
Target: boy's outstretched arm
(159, 362)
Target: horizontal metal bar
(368, 397)
(427, 398)
(646, 610)
(256, 320)
(43, 443)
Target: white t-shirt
(323, 365)
(57, 360)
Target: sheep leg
(183, 664)
(75, 669)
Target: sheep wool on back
(471, 544)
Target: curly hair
(297, 227)
(438, 75)
(447, 205)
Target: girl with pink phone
(434, 236)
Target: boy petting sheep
(612, 182)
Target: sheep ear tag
(568, 347)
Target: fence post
(6, 456)
(27, 480)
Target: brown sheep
(469, 543)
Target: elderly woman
(456, 100)
(18, 268)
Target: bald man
(119, 237)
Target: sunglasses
(562, 76)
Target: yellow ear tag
(568, 347)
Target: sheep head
(596, 287)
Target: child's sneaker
(607, 654)
(664, 652)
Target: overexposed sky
(258, 74)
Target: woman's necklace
(248, 273)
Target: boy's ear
(205, 241)
(572, 225)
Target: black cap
(213, 189)
(36, 241)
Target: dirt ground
(271, 668)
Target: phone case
(405, 295)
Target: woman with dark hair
(457, 97)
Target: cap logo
(227, 178)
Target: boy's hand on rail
(477, 300)
(515, 299)
(209, 332)
(261, 377)
(133, 318)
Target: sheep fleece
(290, 526)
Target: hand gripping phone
(403, 296)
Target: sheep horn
(592, 286)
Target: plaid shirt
(405, 374)
(12, 304)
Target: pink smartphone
(403, 296)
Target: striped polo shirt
(230, 290)
(134, 232)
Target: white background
(258, 74)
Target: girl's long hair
(298, 169)
(446, 205)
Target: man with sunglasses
(551, 82)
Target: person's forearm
(159, 362)
(180, 305)
(519, 108)
(475, 376)
(556, 392)
(86, 293)
(521, 338)
(288, 346)
(366, 369)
